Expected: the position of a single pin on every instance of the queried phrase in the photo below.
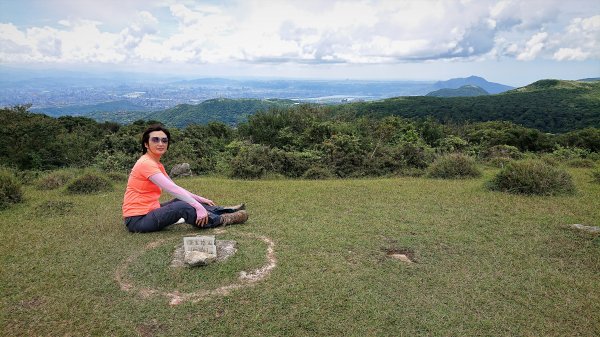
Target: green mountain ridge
(228, 111)
(549, 105)
(464, 91)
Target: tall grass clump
(90, 182)
(532, 177)
(453, 166)
(10, 189)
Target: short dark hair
(152, 128)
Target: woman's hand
(201, 216)
(204, 200)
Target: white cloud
(533, 47)
(570, 54)
(311, 31)
(580, 41)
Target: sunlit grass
(487, 263)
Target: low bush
(117, 176)
(581, 163)
(550, 160)
(317, 172)
(55, 179)
(253, 161)
(502, 151)
(90, 182)
(568, 153)
(453, 166)
(10, 189)
(28, 177)
(295, 164)
(499, 162)
(532, 177)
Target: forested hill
(549, 105)
(464, 91)
(225, 110)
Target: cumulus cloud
(310, 31)
(579, 41)
(533, 47)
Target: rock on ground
(181, 170)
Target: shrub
(452, 144)
(88, 183)
(503, 151)
(55, 179)
(346, 154)
(550, 160)
(581, 163)
(499, 162)
(10, 189)
(415, 155)
(454, 166)
(27, 177)
(532, 177)
(117, 176)
(254, 161)
(317, 172)
(568, 153)
(115, 162)
(295, 164)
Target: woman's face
(157, 143)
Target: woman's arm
(180, 193)
(197, 197)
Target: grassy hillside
(548, 105)
(487, 264)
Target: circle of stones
(245, 278)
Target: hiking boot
(234, 218)
(236, 208)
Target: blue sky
(513, 42)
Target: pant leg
(169, 214)
(218, 209)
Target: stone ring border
(245, 279)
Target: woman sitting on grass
(142, 211)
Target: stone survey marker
(205, 244)
(199, 250)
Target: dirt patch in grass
(150, 329)
(403, 254)
(31, 303)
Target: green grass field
(486, 263)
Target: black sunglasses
(156, 140)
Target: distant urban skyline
(510, 42)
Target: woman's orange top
(141, 195)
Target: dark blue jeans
(169, 213)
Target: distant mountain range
(455, 83)
(464, 91)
